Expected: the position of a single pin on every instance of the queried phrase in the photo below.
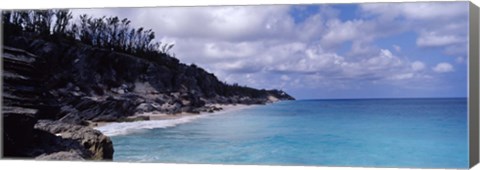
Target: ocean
(404, 133)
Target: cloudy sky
(372, 50)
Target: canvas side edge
(474, 79)
(1, 83)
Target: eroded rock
(99, 145)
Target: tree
(84, 34)
(16, 19)
(138, 39)
(101, 33)
(43, 21)
(111, 32)
(25, 20)
(166, 48)
(131, 40)
(6, 15)
(123, 34)
(73, 32)
(62, 19)
(113, 24)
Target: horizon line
(374, 98)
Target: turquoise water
(415, 133)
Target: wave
(123, 128)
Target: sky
(320, 51)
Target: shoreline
(157, 116)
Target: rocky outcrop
(98, 146)
(18, 131)
(52, 91)
(20, 98)
(25, 100)
(62, 155)
(96, 84)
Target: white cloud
(229, 50)
(433, 39)
(285, 78)
(429, 11)
(418, 66)
(262, 46)
(457, 49)
(439, 24)
(403, 76)
(340, 32)
(362, 49)
(225, 23)
(460, 59)
(417, 11)
(397, 48)
(443, 68)
(333, 66)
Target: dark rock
(144, 107)
(170, 108)
(18, 133)
(21, 101)
(99, 145)
(63, 155)
(109, 109)
(46, 144)
(74, 83)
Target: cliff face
(24, 99)
(102, 85)
(71, 84)
(60, 76)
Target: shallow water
(416, 133)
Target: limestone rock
(99, 145)
(63, 155)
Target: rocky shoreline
(155, 115)
(25, 135)
(59, 77)
(54, 86)
(160, 120)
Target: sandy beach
(152, 116)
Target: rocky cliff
(70, 84)
(24, 97)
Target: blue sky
(370, 50)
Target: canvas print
(363, 85)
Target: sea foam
(123, 128)
(408, 133)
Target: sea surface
(408, 133)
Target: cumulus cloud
(416, 11)
(441, 24)
(418, 66)
(340, 32)
(433, 39)
(443, 68)
(265, 47)
(397, 48)
(460, 59)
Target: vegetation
(115, 34)
(105, 32)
